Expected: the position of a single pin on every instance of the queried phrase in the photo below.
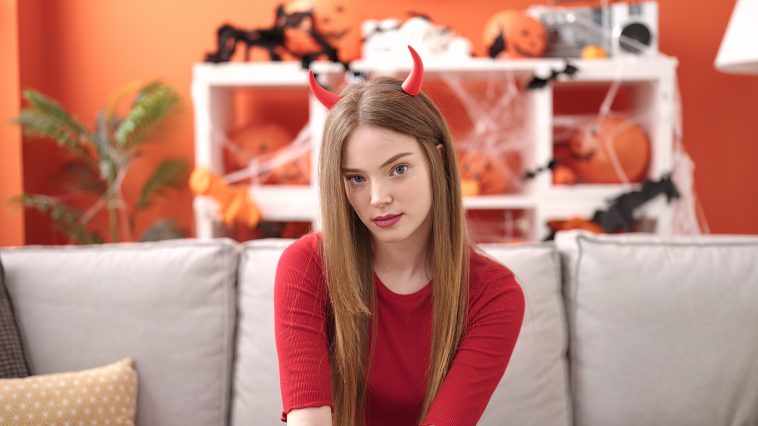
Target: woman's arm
(300, 323)
(313, 416)
(481, 358)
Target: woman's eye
(401, 169)
(355, 180)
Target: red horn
(327, 98)
(412, 84)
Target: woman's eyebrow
(394, 158)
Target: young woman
(390, 316)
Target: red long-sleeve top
(403, 342)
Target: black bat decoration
(619, 216)
(531, 174)
(539, 83)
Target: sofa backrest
(169, 305)
(533, 390)
(663, 331)
(257, 393)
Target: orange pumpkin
(294, 172)
(594, 52)
(525, 37)
(563, 175)
(255, 142)
(594, 146)
(469, 187)
(492, 174)
(333, 19)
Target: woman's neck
(404, 259)
(400, 261)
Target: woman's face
(386, 177)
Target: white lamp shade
(739, 48)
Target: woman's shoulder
(304, 248)
(492, 286)
(482, 264)
(308, 243)
(487, 274)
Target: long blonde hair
(346, 243)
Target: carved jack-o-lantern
(520, 35)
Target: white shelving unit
(652, 79)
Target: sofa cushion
(101, 396)
(257, 393)
(534, 388)
(532, 392)
(12, 360)
(169, 305)
(663, 330)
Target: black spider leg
(227, 37)
(497, 46)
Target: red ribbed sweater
(403, 341)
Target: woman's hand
(312, 416)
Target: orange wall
(11, 182)
(82, 52)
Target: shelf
(648, 89)
(286, 203)
(473, 65)
(624, 68)
(263, 74)
(647, 68)
(285, 74)
(591, 190)
(493, 202)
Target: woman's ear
(441, 149)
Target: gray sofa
(619, 330)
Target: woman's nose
(380, 196)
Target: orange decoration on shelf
(334, 20)
(234, 203)
(595, 146)
(563, 175)
(594, 52)
(294, 172)
(575, 223)
(255, 141)
(525, 37)
(492, 175)
(469, 187)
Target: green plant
(101, 159)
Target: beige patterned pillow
(102, 396)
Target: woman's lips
(387, 221)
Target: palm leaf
(66, 218)
(46, 118)
(120, 96)
(164, 230)
(145, 90)
(77, 176)
(149, 108)
(168, 174)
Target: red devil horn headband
(411, 85)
